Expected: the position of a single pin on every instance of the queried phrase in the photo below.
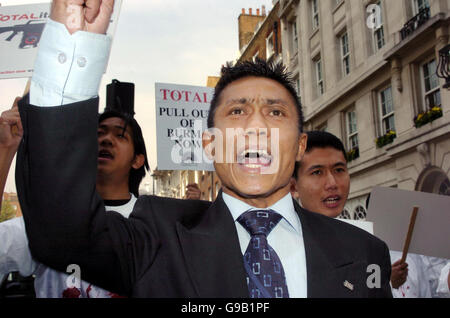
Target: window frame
(384, 117)
(320, 86)
(433, 90)
(351, 134)
(345, 56)
(269, 39)
(416, 8)
(255, 56)
(294, 36)
(296, 78)
(375, 32)
(315, 19)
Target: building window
(294, 37)
(255, 56)
(378, 31)
(270, 47)
(378, 38)
(297, 84)
(431, 91)
(352, 130)
(323, 127)
(319, 77)
(420, 5)
(387, 110)
(345, 54)
(315, 14)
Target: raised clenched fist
(11, 130)
(83, 15)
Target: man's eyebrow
(245, 100)
(240, 101)
(337, 164)
(272, 101)
(314, 167)
(109, 127)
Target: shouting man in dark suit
(253, 241)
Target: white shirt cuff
(68, 67)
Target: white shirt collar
(284, 206)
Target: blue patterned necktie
(265, 274)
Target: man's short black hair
(321, 139)
(258, 68)
(136, 175)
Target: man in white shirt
(122, 161)
(179, 248)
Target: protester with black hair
(186, 248)
(122, 161)
(321, 183)
(321, 180)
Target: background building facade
(366, 72)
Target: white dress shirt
(286, 239)
(68, 68)
(15, 256)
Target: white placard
(363, 225)
(20, 32)
(181, 118)
(390, 211)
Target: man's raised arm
(73, 53)
(56, 167)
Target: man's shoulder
(343, 232)
(170, 208)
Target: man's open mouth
(332, 201)
(254, 158)
(105, 155)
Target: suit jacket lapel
(212, 254)
(327, 265)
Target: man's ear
(302, 141)
(138, 161)
(293, 188)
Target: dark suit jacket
(167, 247)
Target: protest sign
(21, 28)
(390, 211)
(363, 225)
(181, 118)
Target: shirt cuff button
(81, 61)
(62, 58)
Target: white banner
(181, 118)
(390, 211)
(20, 32)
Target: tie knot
(259, 221)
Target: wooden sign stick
(27, 87)
(410, 232)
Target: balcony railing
(412, 25)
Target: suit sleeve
(385, 291)
(65, 218)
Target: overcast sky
(169, 41)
